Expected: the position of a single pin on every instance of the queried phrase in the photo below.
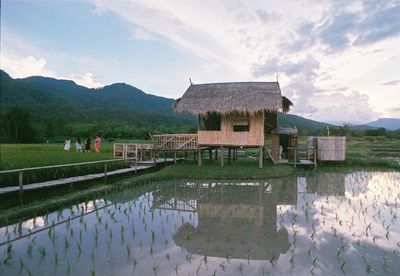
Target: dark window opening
(241, 128)
(211, 122)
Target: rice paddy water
(325, 223)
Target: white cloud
(238, 40)
(87, 80)
(141, 34)
(32, 66)
(24, 67)
(343, 108)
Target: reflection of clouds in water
(365, 213)
(33, 223)
(301, 185)
(356, 183)
(354, 211)
(92, 205)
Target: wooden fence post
(21, 181)
(315, 158)
(105, 170)
(136, 157)
(260, 158)
(199, 157)
(222, 156)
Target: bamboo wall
(226, 136)
(331, 148)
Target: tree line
(18, 126)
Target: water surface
(327, 223)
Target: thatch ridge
(231, 97)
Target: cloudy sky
(338, 61)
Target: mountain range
(388, 123)
(116, 104)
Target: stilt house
(238, 114)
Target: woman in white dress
(67, 144)
(78, 145)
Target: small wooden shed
(236, 114)
(283, 140)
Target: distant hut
(238, 114)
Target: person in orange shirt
(97, 143)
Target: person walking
(97, 144)
(78, 145)
(67, 144)
(87, 144)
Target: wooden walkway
(70, 180)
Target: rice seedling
(42, 252)
(66, 243)
(29, 250)
(155, 268)
(21, 264)
(55, 259)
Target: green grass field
(16, 156)
(365, 152)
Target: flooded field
(327, 223)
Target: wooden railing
(174, 142)
(22, 171)
(139, 152)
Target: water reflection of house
(326, 184)
(235, 219)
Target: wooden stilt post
(210, 153)
(222, 156)
(260, 158)
(216, 154)
(229, 154)
(199, 157)
(165, 157)
(174, 156)
(295, 157)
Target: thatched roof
(241, 97)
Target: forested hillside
(41, 108)
(58, 108)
